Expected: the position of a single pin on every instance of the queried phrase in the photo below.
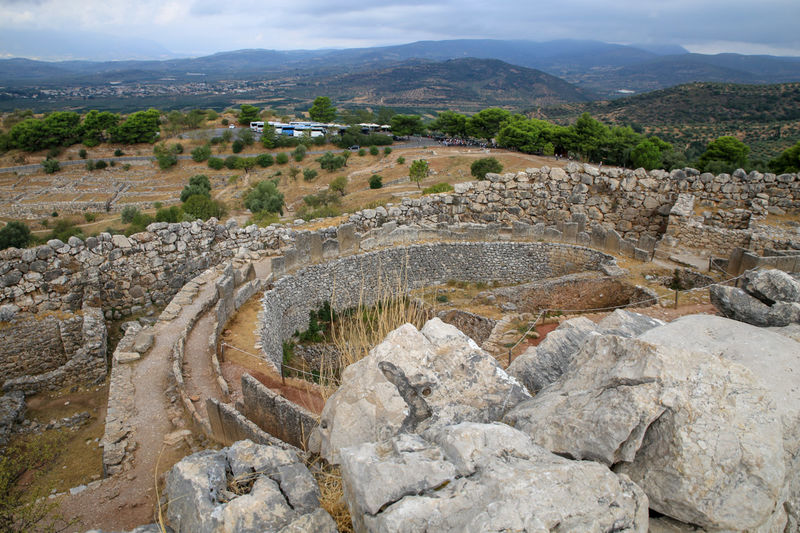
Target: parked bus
(257, 127)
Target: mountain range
(432, 74)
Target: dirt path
(198, 374)
(128, 499)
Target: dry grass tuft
(329, 479)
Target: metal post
(676, 298)
(283, 377)
(509, 356)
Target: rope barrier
(283, 366)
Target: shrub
(264, 196)
(201, 153)
(237, 146)
(265, 160)
(100, 164)
(282, 158)
(169, 214)
(126, 166)
(203, 207)
(90, 217)
(375, 182)
(50, 166)
(263, 219)
(165, 161)
(198, 184)
(480, 167)
(442, 298)
(299, 153)
(215, 140)
(387, 150)
(373, 150)
(64, 229)
(224, 121)
(82, 153)
(439, 187)
(361, 152)
(90, 165)
(128, 213)
(16, 234)
(401, 160)
(331, 162)
(231, 161)
(118, 153)
(215, 163)
(339, 185)
(309, 174)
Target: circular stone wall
(364, 278)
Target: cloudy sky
(51, 28)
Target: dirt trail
(128, 499)
(198, 374)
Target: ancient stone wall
(631, 202)
(365, 278)
(118, 273)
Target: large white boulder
(482, 478)
(700, 434)
(414, 380)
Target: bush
(401, 160)
(373, 150)
(100, 164)
(16, 234)
(201, 153)
(165, 161)
(118, 153)
(224, 121)
(264, 196)
(439, 187)
(237, 146)
(331, 162)
(50, 166)
(361, 152)
(169, 214)
(198, 184)
(215, 140)
(90, 165)
(375, 182)
(231, 162)
(203, 207)
(128, 213)
(299, 153)
(480, 167)
(90, 217)
(309, 174)
(387, 150)
(82, 153)
(339, 185)
(265, 160)
(126, 166)
(282, 158)
(215, 163)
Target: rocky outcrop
(244, 488)
(541, 365)
(416, 380)
(773, 357)
(483, 477)
(698, 433)
(768, 298)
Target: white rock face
(283, 497)
(483, 477)
(698, 433)
(773, 357)
(448, 379)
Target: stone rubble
(767, 298)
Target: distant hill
(766, 117)
(462, 84)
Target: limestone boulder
(771, 355)
(247, 487)
(768, 298)
(414, 380)
(700, 434)
(541, 365)
(483, 477)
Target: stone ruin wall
(621, 211)
(366, 278)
